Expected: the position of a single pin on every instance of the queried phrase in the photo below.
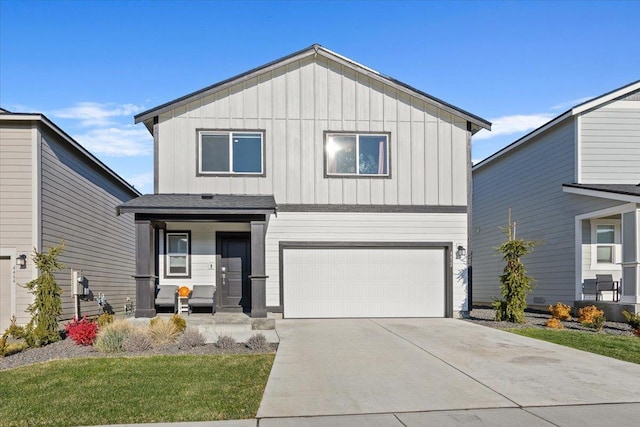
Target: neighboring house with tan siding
(571, 184)
(312, 186)
(52, 189)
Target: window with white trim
(230, 152)
(178, 254)
(353, 154)
(605, 243)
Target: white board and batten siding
(294, 105)
(529, 180)
(79, 206)
(203, 251)
(375, 228)
(17, 217)
(610, 143)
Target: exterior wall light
(21, 261)
(461, 252)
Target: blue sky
(90, 66)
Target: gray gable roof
(148, 116)
(199, 204)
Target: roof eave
(603, 194)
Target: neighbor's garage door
(363, 282)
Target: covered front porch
(608, 255)
(202, 239)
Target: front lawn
(124, 390)
(619, 347)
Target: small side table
(183, 304)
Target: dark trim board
(372, 208)
(165, 255)
(448, 260)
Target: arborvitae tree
(515, 284)
(46, 305)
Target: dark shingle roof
(629, 189)
(199, 204)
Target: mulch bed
(537, 319)
(67, 349)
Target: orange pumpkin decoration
(183, 291)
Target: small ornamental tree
(46, 305)
(515, 284)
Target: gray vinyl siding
(16, 213)
(529, 181)
(79, 206)
(294, 105)
(610, 140)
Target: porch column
(258, 278)
(145, 269)
(630, 257)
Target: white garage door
(363, 282)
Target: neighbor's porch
(608, 260)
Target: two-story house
(572, 185)
(312, 186)
(51, 190)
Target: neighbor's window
(222, 152)
(605, 243)
(357, 154)
(177, 251)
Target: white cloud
(141, 181)
(96, 114)
(570, 104)
(508, 125)
(123, 141)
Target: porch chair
(203, 296)
(590, 287)
(605, 282)
(167, 296)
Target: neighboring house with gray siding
(312, 186)
(572, 185)
(52, 189)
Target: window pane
(215, 153)
(605, 234)
(177, 264)
(247, 152)
(178, 244)
(373, 155)
(341, 154)
(605, 254)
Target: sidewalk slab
(624, 414)
(375, 420)
(503, 417)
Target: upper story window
(230, 152)
(354, 154)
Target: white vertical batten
(36, 241)
(578, 159)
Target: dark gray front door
(235, 250)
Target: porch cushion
(166, 296)
(202, 296)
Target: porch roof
(196, 204)
(623, 192)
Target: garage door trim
(448, 267)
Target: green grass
(619, 347)
(134, 390)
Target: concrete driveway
(439, 372)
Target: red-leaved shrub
(82, 331)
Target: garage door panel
(363, 282)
